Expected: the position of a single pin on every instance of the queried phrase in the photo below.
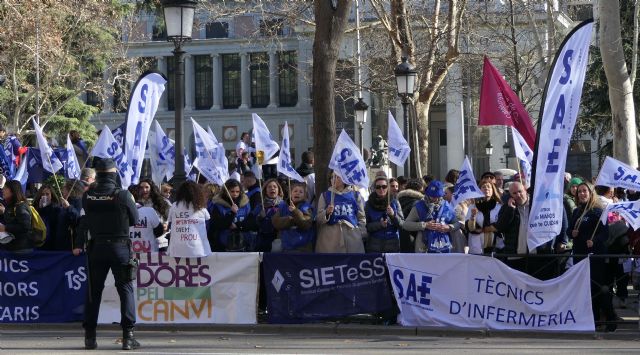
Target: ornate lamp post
(361, 109)
(406, 79)
(178, 19)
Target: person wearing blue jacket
(294, 222)
(264, 212)
(232, 225)
(384, 219)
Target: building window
(273, 27)
(204, 90)
(217, 30)
(288, 78)
(121, 89)
(171, 82)
(159, 33)
(259, 79)
(231, 85)
(92, 98)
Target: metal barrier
(541, 270)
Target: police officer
(108, 213)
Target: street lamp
(178, 19)
(488, 149)
(506, 149)
(406, 79)
(361, 109)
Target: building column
(107, 104)
(245, 81)
(162, 67)
(216, 83)
(189, 83)
(273, 80)
(455, 118)
(304, 55)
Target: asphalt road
(50, 340)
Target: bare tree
(619, 81)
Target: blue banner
(42, 287)
(309, 287)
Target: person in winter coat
(340, 219)
(294, 222)
(480, 219)
(232, 225)
(435, 218)
(17, 220)
(384, 219)
(589, 236)
(48, 206)
(273, 196)
(407, 199)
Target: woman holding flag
(294, 221)
(273, 196)
(384, 219)
(341, 219)
(480, 219)
(232, 225)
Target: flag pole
(55, 178)
(290, 200)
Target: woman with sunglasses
(384, 219)
(341, 219)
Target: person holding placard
(188, 218)
(341, 219)
(480, 219)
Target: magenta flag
(500, 106)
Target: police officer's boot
(128, 340)
(90, 342)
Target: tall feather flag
(266, 147)
(399, 149)
(284, 159)
(499, 105)
(347, 162)
(561, 103)
(143, 105)
(50, 161)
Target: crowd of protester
(274, 214)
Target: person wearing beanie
(109, 248)
(435, 218)
(384, 219)
(569, 198)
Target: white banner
(630, 211)
(142, 108)
(284, 159)
(524, 154)
(615, 173)
(399, 149)
(561, 105)
(347, 162)
(50, 161)
(73, 166)
(466, 186)
(472, 291)
(221, 288)
(166, 153)
(263, 138)
(108, 147)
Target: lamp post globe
(178, 19)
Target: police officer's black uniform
(108, 213)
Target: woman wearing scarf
(589, 237)
(294, 222)
(264, 212)
(435, 218)
(341, 219)
(480, 219)
(384, 219)
(232, 226)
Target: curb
(337, 329)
